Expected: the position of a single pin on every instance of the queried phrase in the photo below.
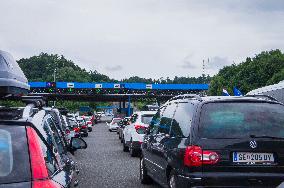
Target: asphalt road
(104, 164)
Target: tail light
(46, 184)
(137, 127)
(84, 127)
(39, 170)
(195, 156)
(76, 129)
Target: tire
(125, 148)
(133, 152)
(144, 177)
(172, 181)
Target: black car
(32, 151)
(215, 141)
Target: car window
(55, 133)
(182, 120)
(166, 120)
(49, 157)
(154, 123)
(14, 155)
(235, 120)
(146, 119)
(51, 140)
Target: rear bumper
(136, 145)
(237, 179)
(113, 128)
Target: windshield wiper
(266, 136)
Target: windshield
(235, 120)
(146, 119)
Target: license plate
(253, 158)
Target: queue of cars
(131, 130)
(190, 141)
(37, 143)
(37, 148)
(194, 141)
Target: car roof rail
(31, 103)
(263, 96)
(187, 96)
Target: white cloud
(148, 38)
(114, 68)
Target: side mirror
(77, 143)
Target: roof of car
(197, 99)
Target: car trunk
(248, 138)
(237, 155)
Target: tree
(263, 69)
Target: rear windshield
(141, 130)
(14, 156)
(146, 119)
(236, 120)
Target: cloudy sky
(147, 38)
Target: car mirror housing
(78, 143)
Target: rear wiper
(266, 136)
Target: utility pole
(54, 80)
(203, 71)
(54, 75)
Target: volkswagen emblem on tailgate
(253, 144)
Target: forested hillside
(264, 69)
(41, 68)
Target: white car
(102, 114)
(113, 125)
(88, 122)
(133, 134)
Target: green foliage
(176, 80)
(9, 103)
(264, 69)
(41, 68)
